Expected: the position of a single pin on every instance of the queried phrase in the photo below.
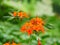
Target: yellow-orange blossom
(11, 44)
(34, 24)
(20, 14)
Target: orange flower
(7, 43)
(27, 27)
(40, 28)
(34, 24)
(13, 43)
(36, 21)
(39, 21)
(22, 14)
(37, 24)
(23, 29)
(25, 14)
(14, 13)
(39, 43)
(29, 31)
(37, 28)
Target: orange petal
(13, 43)
(14, 13)
(29, 32)
(20, 14)
(6, 44)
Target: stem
(38, 38)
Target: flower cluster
(35, 24)
(20, 14)
(8, 43)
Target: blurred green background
(48, 10)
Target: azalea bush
(19, 25)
